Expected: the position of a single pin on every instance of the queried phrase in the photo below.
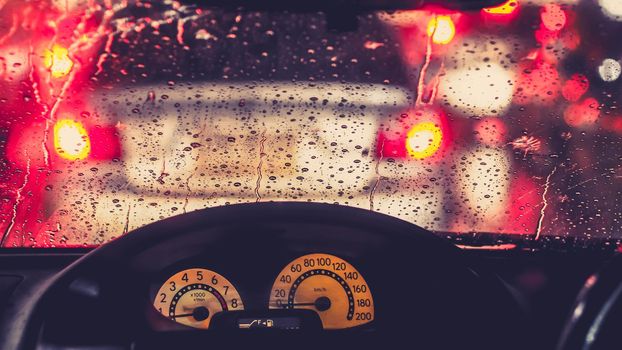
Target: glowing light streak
(262, 155)
(378, 176)
(545, 203)
(18, 201)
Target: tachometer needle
(200, 314)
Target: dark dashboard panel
(414, 275)
(30, 269)
(425, 290)
(8, 283)
(547, 283)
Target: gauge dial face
(191, 297)
(328, 285)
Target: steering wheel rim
(594, 319)
(129, 246)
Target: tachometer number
(190, 299)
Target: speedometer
(328, 285)
(191, 297)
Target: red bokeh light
(391, 142)
(571, 39)
(538, 82)
(25, 147)
(546, 36)
(613, 123)
(575, 87)
(105, 142)
(390, 147)
(25, 144)
(491, 131)
(553, 17)
(582, 114)
(525, 204)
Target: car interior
(421, 174)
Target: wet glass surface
(503, 121)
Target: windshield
(498, 123)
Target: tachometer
(328, 285)
(191, 297)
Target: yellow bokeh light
(423, 140)
(71, 140)
(57, 61)
(441, 29)
(504, 9)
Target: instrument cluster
(314, 290)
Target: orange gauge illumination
(507, 8)
(191, 297)
(327, 285)
(57, 61)
(441, 29)
(71, 140)
(423, 140)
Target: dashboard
(549, 302)
(249, 275)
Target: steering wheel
(425, 292)
(594, 322)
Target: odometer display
(328, 285)
(191, 297)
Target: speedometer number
(328, 285)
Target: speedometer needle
(300, 304)
(321, 304)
